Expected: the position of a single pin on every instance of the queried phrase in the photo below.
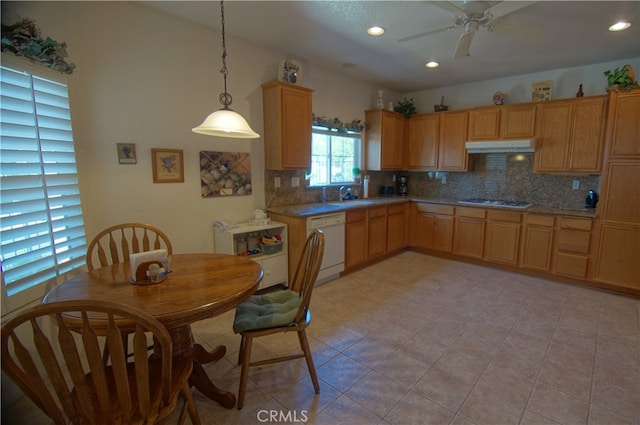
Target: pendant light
(225, 122)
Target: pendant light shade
(225, 122)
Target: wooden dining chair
(53, 353)
(281, 311)
(114, 244)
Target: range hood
(501, 146)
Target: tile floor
(423, 340)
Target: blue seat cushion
(267, 311)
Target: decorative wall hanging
(225, 174)
(168, 165)
(337, 125)
(290, 71)
(126, 153)
(541, 91)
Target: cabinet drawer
(511, 216)
(377, 211)
(540, 220)
(574, 240)
(575, 223)
(470, 212)
(435, 208)
(571, 265)
(356, 215)
(396, 209)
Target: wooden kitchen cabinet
(287, 126)
(397, 227)
(503, 236)
(432, 226)
(502, 122)
(618, 259)
(537, 242)
(623, 130)
(424, 135)
(385, 140)
(573, 246)
(377, 232)
(452, 154)
(468, 233)
(570, 135)
(356, 238)
(621, 193)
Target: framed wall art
(168, 165)
(225, 174)
(126, 153)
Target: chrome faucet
(346, 195)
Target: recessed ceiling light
(432, 64)
(376, 30)
(619, 26)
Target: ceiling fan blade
(504, 8)
(449, 7)
(464, 42)
(424, 34)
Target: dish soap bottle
(323, 197)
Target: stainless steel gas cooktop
(495, 203)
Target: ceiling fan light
(620, 25)
(375, 30)
(226, 123)
(432, 64)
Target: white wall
(146, 77)
(518, 88)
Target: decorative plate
(290, 71)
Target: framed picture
(541, 91)
(168, 165)
(126, 153)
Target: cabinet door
(484, 123)
(396, 228)
(421, 235)
(377, 232)
(624, 123)
(518, 121)
(621, 194)
(502, 242)
(296, 129)
(274, 270)
(553, 132)
(443, 233)
(423, 141)
(468, 237)
(618, 256)
(587, 135)
(356, 243)
(538, 242)
(452, 155)
(392, 141)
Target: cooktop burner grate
(495, 203)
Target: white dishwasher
(332, 225)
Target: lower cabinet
(503, 236)
(377, 232)
(468, 234)
(619, 256)
(356, 238)
(537, 242)
(397, 227)
(432, 226)
(573, 246)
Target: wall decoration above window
(337, 125)
(225, 174)
(23, 39)
(168, 165)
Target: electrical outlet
(576, 185)
(276, 182)
(295, 181)
(394, 178)
(443, 180)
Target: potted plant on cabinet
(621, 78)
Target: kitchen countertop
(308, 210)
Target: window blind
(41, 225)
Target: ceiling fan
(473, 15)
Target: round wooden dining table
(198, 287)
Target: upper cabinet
(287, 114)
(385, 140)
(424, 135)
(570, 135)
(452, 154)
(502, 122)
(624, 128)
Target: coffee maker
(403, 190)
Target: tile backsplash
(493, 176)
